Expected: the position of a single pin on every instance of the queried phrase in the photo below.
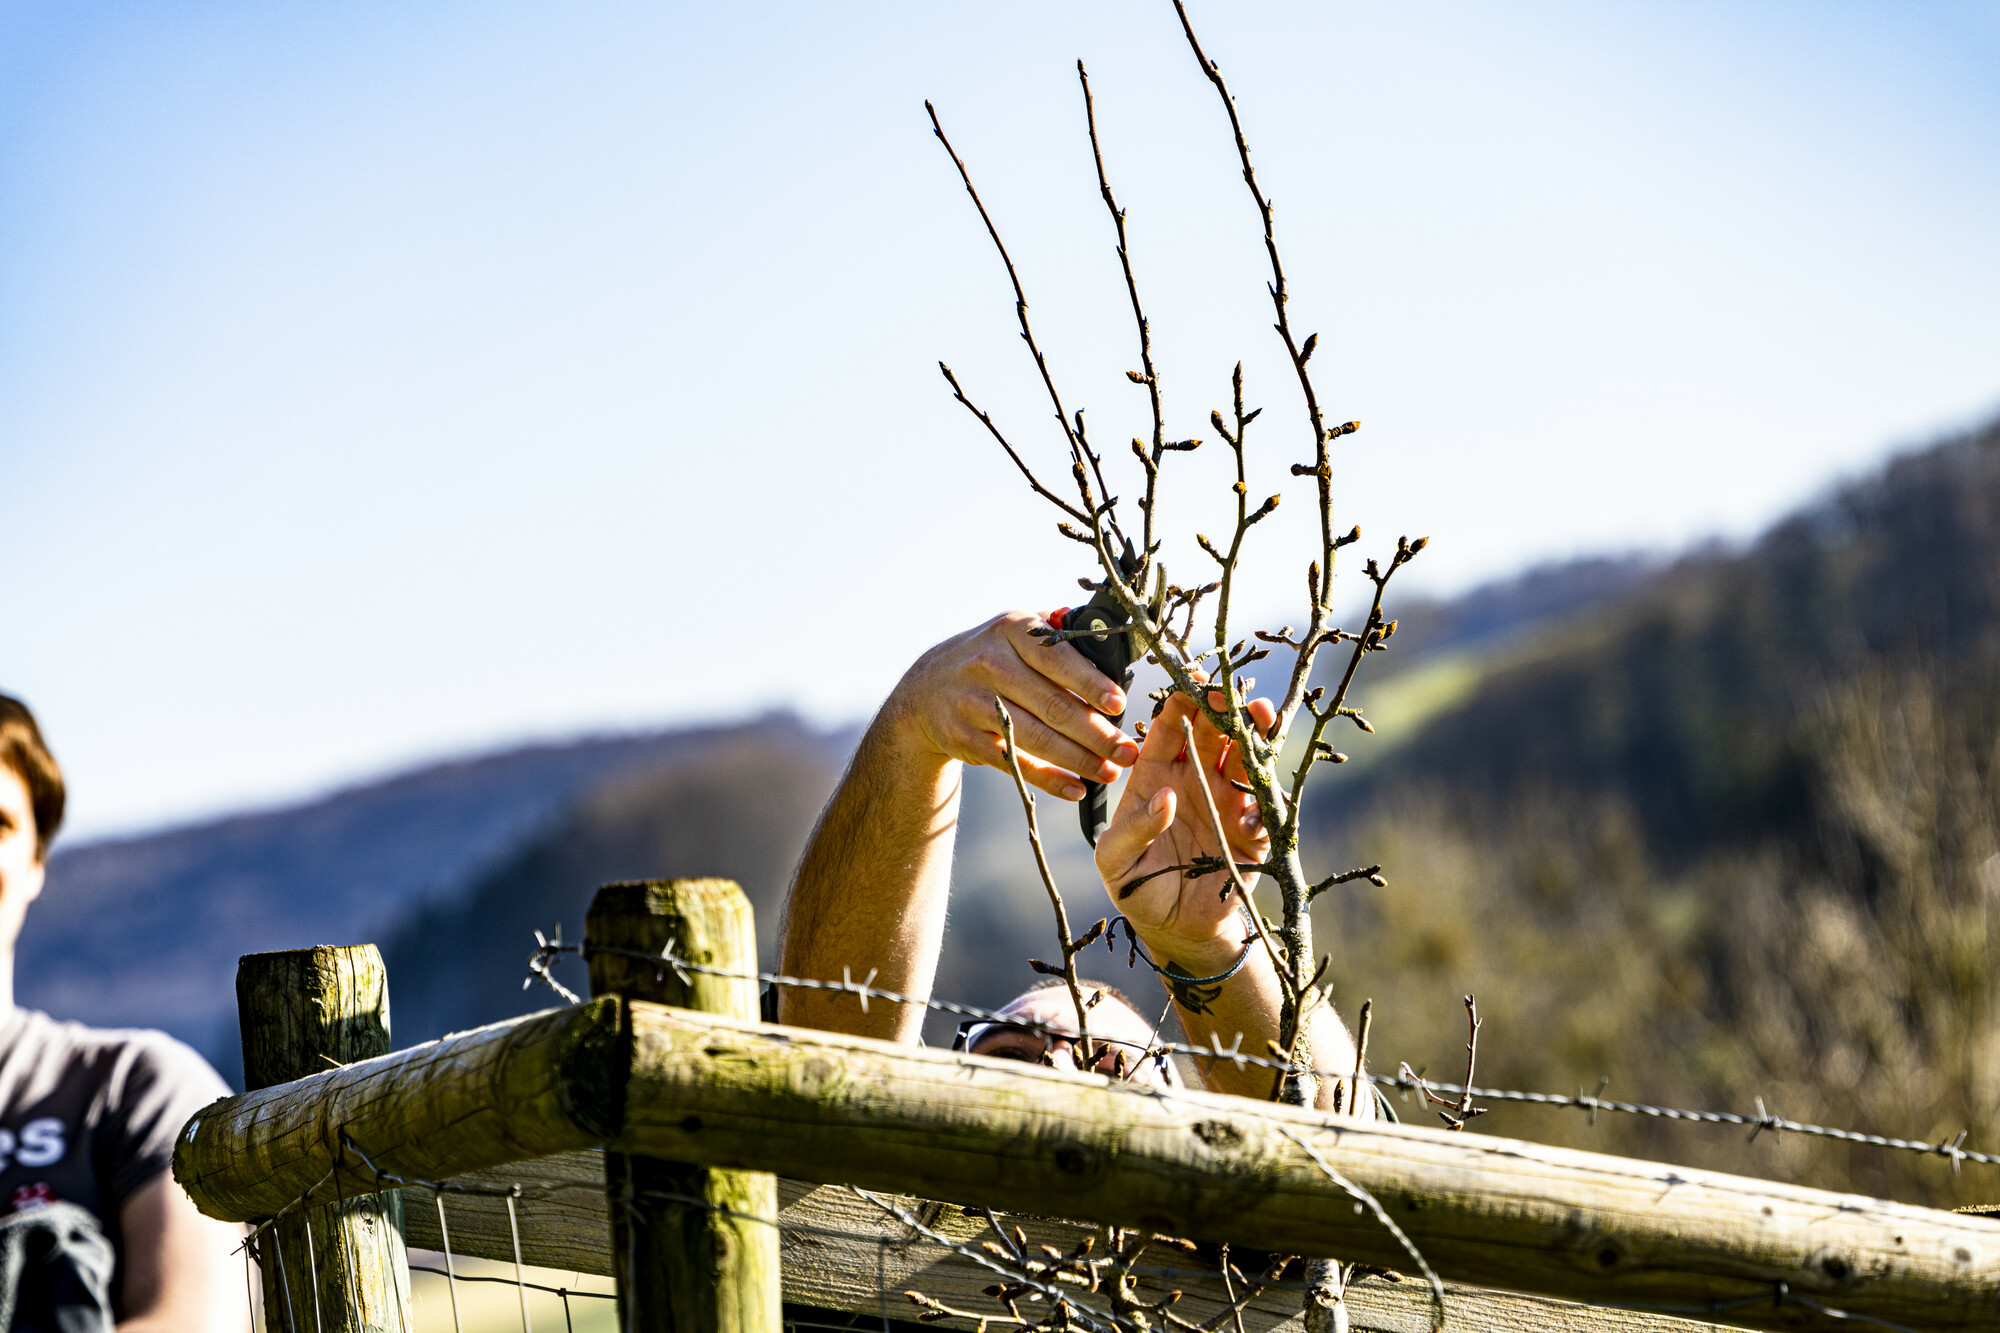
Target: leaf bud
(1305, 353)
(1135, 377)
(1419, 544)
(1378, 881)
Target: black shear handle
(1112, 655)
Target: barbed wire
(1954, 1149)
(1404, 1080)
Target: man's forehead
(1051, 1005)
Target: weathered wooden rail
(840, 1252)
(645, 1080)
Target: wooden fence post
(681, 1266)
(338, 1267)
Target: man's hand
(1163, 822)
(871, 887)
(943, 707)
(1191, 924)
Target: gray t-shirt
(88, 1115)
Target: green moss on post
(303, 1011)
(684, 1266)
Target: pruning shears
(1112, 653)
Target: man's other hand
(1163, 821)
(1062, 706)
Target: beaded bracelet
(1139, 951)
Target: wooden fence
(649, 1125)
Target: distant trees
(1738, 837)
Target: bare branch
(1081, 1052)
(1235, 876)
(993, 430)
(1373, 874)
(1361, 1053)
(1078, 451)
(1148, 374)
(1375, 633)
(1280, 296)
(1465, 1110)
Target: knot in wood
(1834, 1264)
(1218, 1135)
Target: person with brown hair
(93, 1227)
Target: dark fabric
(55, 1272)
(87, 1116)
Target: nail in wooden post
(302, 1011)
(681, 1266)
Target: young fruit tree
(1188, 629)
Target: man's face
(1124, 1034)
(20, 862)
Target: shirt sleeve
(162, 1084)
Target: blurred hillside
(451, 867)
(1717, 830)
(146, 930)
(1735, 835)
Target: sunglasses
(975, 1030)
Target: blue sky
(382, 381)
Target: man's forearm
(871, 891)
(1247, 1011)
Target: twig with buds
(1081, 1052)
